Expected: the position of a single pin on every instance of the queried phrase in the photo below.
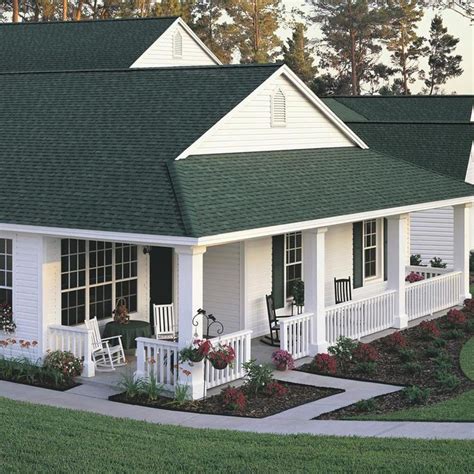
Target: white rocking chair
(164, 321)
(103, 354)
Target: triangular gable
(162, 52)
(251, 126)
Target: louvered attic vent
(279, 109)
(177, 45)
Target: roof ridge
(413, 122)
(142, 69)
(424, 96)
(88, 21)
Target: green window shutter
(278, 268)
(358, 271)
(385, 249)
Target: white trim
(218, 239)
(275, 123)
(293, 78)
(469, 178)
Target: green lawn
(50, 440)
(456, 409)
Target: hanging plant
(196, 352)
(221, 356)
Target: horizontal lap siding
(432, 234)
(250, 128)
(160, 54)
(222, 285)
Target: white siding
(160, 53)
(222, 285)
(250, 128)
(432, 234)
(258, 283)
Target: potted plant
(283, 360)
(196, 351)
(414, 277)
(6, 319)
(120, 312)
(221, 356)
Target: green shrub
(433, 351)
(130, 385)
(416, 260)
(365, 405)
(366, 367)
(412, 367)
(454, 334)
(443, 361)
(439, 342)
(406, 355)
(343, 350)
(151, 388)
(446, 380)
(258, 376)
(64, 362)
(470, 326)
(416, 395)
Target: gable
(470, 167)
(250, 127)
(176, 39)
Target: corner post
(462, 220)
(190, 296)
(314, 250)
(396, 261)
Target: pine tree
(352, 33)
(327, 85)
(442, 64)
(256, 23)
(406, 46)
(297, 54)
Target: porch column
(462, 219)
(190, 290)
(314, 281)
(396, 261)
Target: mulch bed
(57, 388)
(257, 407)
(390, 369)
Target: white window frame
(6, 270)
(379, 239)
(296, 262)
(177, 54)
(88, 286)
(274, 122)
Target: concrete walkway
(93, 399)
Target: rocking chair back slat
(92, 324)
(164, 321)
(342, 290)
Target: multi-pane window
(6, 271)
(293, 260)
(370, 248)
(94, 275)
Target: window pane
(127, 290)
(100, 305)
(73, 307)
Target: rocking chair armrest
(284, 316)
(111, 337)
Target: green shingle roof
(405, 109)
(88, 149)
(102, 44)
(231, 192)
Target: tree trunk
(354, 81)
(78, 13)
(256, 39)
(65, 8)
(16, 12)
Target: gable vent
(177, 45)
(279, 109)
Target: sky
(458, 26)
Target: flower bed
(424, 358)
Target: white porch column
(314, 283)
(190, 290)
(396, 261)
(462, 220)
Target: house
(207, 187)
(435, 132)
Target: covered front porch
(231, 281)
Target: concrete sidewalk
(296, 420)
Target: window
(94, 275)
(278, 109)
(177, 45)
(370, 248)
(293, 260)
(6, 271)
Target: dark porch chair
(273, 338)
(342, 290)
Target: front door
(161, 277)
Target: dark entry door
(161, 277)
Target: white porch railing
(75, 339)
(295, 335)
(433, 294)
(159, 358)
(426, 272)
(356, 319)
(241, 343)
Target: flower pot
(218, 364)
(196, 356)
(282, 366)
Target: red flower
(275, 389)
(325, 363)
(429, 329)
(365, 353)
(396, 341)
(186, 372)
(456, 318)
(234, 399)
(469, 305)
